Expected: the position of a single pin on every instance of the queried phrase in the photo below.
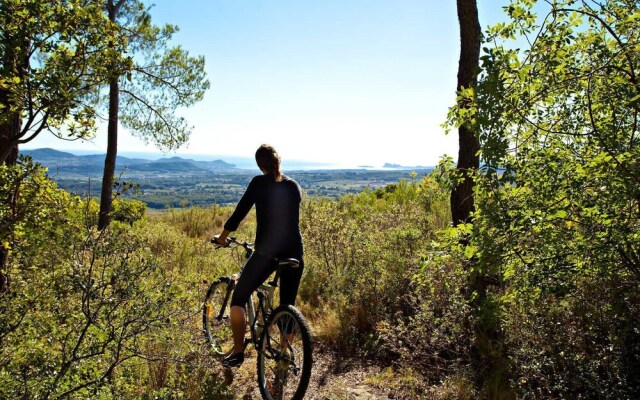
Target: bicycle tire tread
(307, 350)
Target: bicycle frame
(259, 305)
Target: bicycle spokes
(282, 350)
(215, 317)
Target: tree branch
(148, 106)
(606, 26)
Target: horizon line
(248, 160)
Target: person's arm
(242, 209)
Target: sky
(340, 82)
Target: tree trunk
(9, 156)
(489, 360)
(468, 161)
(106, 195)
(15, 61)
(10, 124)
(9, 132)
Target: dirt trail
(331, 379)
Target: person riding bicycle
(277, 201)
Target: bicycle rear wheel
(215, 317)
(284, 356)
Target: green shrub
(128, 210)
(361, 254)
(84, 307)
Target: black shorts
(257, 270)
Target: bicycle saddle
(288, 262)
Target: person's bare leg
(238, 327)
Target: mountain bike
(281, 336)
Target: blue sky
(346, 82)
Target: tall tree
(489, 359)
(155, 82)
(51, 56)
(468, 161)
(558, 211)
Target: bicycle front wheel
(284, 356)
(215, 317)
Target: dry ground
(331, 379)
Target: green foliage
(84, 305)
(26, 193)
(127, 210)
(156, 79)
(556, 235)
(434, 336)
(361, 253)
(585, 345)
(53, 55)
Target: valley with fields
(181, 182)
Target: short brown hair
(269, 161)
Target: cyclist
(277, 200)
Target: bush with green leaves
(361, 254)
(85, 307)
(128, 210)
(556, 235)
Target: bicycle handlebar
(292, 262)
(232, 240)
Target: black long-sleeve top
(277, 215)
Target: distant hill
(46, 153)
(67, 164)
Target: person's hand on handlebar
(221, 239)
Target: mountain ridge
(92, 164)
